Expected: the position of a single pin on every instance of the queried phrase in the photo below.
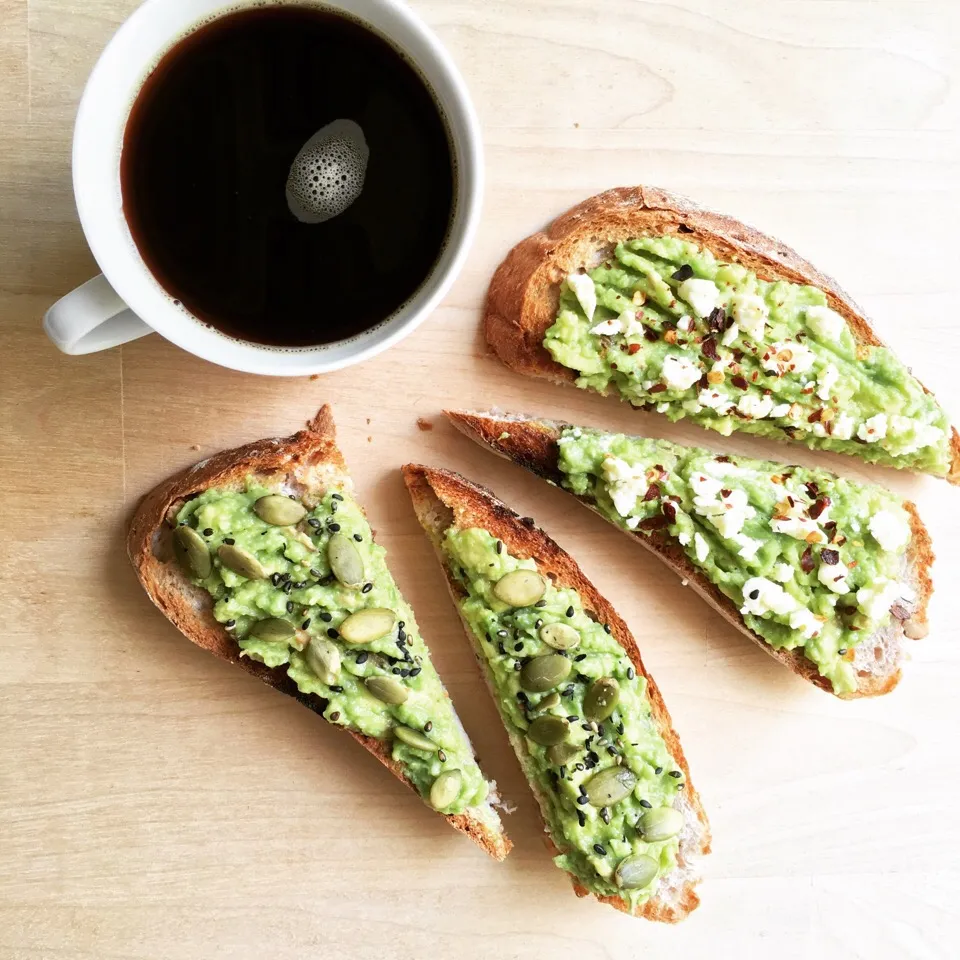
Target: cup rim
(97, 191)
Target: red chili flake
(653, 492)
(703, 382)
(806, 561)
(613, 366)
(738, 355)
(724, 493)
(813, 488)
(830, 556)
(654, 523)
(740, 382)
(756, 374)
(633, 348)
(815, 416)
(791, 432)
(650, 334)
(791, 501)
(709, 348)
(723, 459)
(658, 388)
(900, 611)
(669, 511)
(716, 319)
(817, 509)
(659, 466)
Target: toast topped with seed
(827, 575)
(262, 556)
(586, 720)
(643, 295)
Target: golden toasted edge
(189, 608)
(523, 296)
(472, 505)
(532, 443)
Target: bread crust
(307, 463)
(441, 497)
(524, 294)
(532, 443)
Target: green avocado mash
(811, 559)
(609, 784)
(665, 325)
(304, 574)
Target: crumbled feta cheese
(780, 410)
(826, 381)
(685, 323)
(585, 292)
(787, 356)
(700, 547)
(748, 546)
(874, 429)
(783, 572)
(890, 530)
(843, 426)
(804, 621)
(750, 312)
(875, 600)
(796, 522)
(720, 468)
(663, 407)
(624, 483)
(715, 400)
(728, 514)
(608, 327)
(834, 576)
(705, 489)
(826, 324)
(730, 334)
(920, 434)
(702, 295)
(633, 523)
(679, 373)
(755, 405)
(683, 537)
(762, 596)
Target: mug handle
(92, 318)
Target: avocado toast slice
(825, 574)
(642, 294)
(586, 720)
(262, 556)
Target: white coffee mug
(126, 301)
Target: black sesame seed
(404, 672)
(428, 726)
(604, 814)
(685, 272)
(337, 689)
(620, 729)
(441, 756)
(401, 624)
(518, 646)
(335, 716)
(754, 594)
(288, 588)
(229, 541)
(579, 658)
(522, 697)
(582, 818)
(631, 673)
(335, 496)
(401, 637)
(502, 633)
(333, 507)
(599, 847)
(607, 628)
(613, 751)
(415, 672)
(316, 574)
(358, 538)
(540, 603)
(230, 623)
(314, 522)
(332, 634)
(502, 649)
(499, 546)
(396, 671)
(568, 693)
(646, 804)
(593, 756)
(579, 766)
(676, 773)
(658, 771)
(538, 625)
(290, 606)
(517, 665)
(325, 617)
(841, 651)
(362, 656)
(305, 624)
(569, 611)
(367, 587)
(583, 678)
(583, 790)
(208, 532)
(586, 726)
(284, 577)
(573, 718)
(335, 527)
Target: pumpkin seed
(414, 738)
(610, 786)
(273, 630)
(240, 561)
(544, 673)
(445, 789)
(548, 730)
(636, 872)
(368, 625)
(279, 511)
(601, 698)
(192, 552)
(549, 701)
(520, 588)
(387, 689)
(562, 753)
(661, 823)
(323, 657)
(345, 560)
(560, 636)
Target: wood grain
(155, 803)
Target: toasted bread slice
(533, 443)
(443, 499)
(524, 301)
(308, 464)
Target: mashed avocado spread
(665, 325)
(607, 782)
(305, 586)
(812, 560)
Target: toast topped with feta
(641, 294)
(825, 574)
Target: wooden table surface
(155, 803)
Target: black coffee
(223, 225)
